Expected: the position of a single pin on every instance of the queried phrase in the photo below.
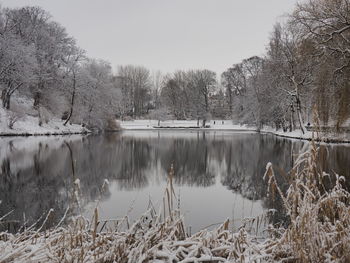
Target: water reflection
(217, 173)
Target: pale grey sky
(167, 34)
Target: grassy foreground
(319, 231)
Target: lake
(217, 174)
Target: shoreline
(28, 134)
(294, 134)
(190, 129)
(319, 140)
(237, 128)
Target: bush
(112, 125)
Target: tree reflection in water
(38, 173)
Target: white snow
(227, 125)
(308, 135)
(185, 124)
(29, 125)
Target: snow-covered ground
(229, 126)
(27, 123)
(184, 124)
(308, 135)
(29, 126)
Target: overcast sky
(167, 34)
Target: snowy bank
(328, 137)
(29, 125)
(183, 124)
(228, 125)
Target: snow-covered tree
(17, 66)
(135, 84)
(96, 94)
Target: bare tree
(16, 68)
(234, 81)
(158, 80)
(72, 64)
(96, 94)
(326, 23)
(252, 69)
(173, 96)
(135, 84)
(200, 84)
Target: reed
(320, 218)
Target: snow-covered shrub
(44, 115)
(14, 115)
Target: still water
(217, 175)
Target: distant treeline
(305, 72)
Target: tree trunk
(297, 97)
(206, 101)
(5, 96)
(300, 118)
(37, 97)
(7, 93)
(230, 102)
(291, 122)
(72, 100)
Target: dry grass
(319, 231)
(320, 218)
